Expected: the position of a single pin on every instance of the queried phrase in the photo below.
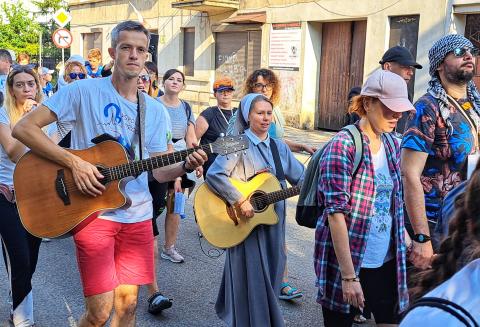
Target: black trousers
(20, 251)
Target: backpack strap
(358, 143)
(276, 159)
(447, 306)
(188, 110)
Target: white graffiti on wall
(230, 66)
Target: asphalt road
(193, 285)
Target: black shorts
(159, 201)
(379, 287)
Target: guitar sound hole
(257, 202)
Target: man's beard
(459, 76)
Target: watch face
(421, 238)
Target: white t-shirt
(94, 107)
(378, 242)
(462, 289)
(6, 165)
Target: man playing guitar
(115, 252)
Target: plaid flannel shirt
(355, 199)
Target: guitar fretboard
(137, 167)
(276, 196)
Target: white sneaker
(172, 255)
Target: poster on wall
(285, 43)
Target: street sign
(62, 38)
(62, 17)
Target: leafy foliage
(48, 7)
(18, 31)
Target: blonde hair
(10, 102)
(95, 53)
(69, 67)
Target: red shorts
(111, 254)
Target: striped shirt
(179, 119)
(355, 198)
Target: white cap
(45, 71)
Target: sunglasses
(460, 52)
(74, 75)
(144, 78)
(261, 86)
(21, 67)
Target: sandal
(288, 292)
(359, 319)
(157, 303)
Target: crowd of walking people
(380, 239)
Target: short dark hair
(5, 55)
(128, 25)
(170, 72)
(151, 67)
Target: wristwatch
(421, 238)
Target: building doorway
(341, 68)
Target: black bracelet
(184, 166)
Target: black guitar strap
(276, 159)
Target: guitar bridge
(61, 188)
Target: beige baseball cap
(390, 89)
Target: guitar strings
(261, 199)
(121, 171)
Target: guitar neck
(135, 168)
(277, 196)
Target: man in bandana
(438, 139)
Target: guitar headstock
(229, 144)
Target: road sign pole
(40, 49)
(63, 57)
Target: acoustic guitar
(218, 220)
(50, 204)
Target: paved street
(193, 285)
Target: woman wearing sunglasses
(22, 95)
(360, 242)
(74, 71)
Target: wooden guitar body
(216, 219)
(39, 184)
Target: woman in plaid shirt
(360, 249)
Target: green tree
(48, 7)
(18, 31)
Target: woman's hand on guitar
(86, 177)
(245, 208)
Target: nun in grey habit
(253, 269)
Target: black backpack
(308, 209)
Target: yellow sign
(62, 17)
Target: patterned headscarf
(436, 55)
(241, 119)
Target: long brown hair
(462, 244)
(268, 75)
(10, 102)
